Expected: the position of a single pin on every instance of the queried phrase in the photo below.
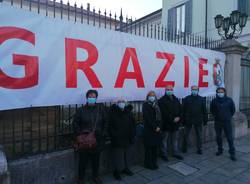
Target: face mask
(169, 92)
(221, 95)
(194, 92)
(91, 100)
(151, 98)
(121, 105)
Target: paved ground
(198, 169)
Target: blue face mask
(220, 95)
(121, 105)
(194, 92)
(151, 98)
(169, 92)
(91, 100)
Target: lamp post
(230, 27)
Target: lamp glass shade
(243, 20)
(234, 17)
(226, 24)
(218, 21)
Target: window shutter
(188, 16)
(172, 20)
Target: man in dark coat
(194, 115)
(223, 109)
(122, 134)
(88, 118)
(171, 119)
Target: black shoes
(127, 172)
(164, 158)
(218, 153)
(97, 180)
(179, 157)
(233, 158)
(154, 167)
(199, 152)
(80, 182)
(117, 175)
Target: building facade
(190, 16)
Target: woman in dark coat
(91, 117)
(152, 135)
(122, 134)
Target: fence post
(121, 21)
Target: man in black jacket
(223, 109)
(171, 119)
(91, 117)
(194, 113)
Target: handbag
(87, 139)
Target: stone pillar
(4, 174)
(234, 51)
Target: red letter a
(130, 53)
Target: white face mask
(121, 105)
(151, 98)
(221, 95)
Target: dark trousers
(227, 128)
(120, 158)
(170, 139)
(150, 159)
(198, 134)
(84, 157)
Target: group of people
(161, 122)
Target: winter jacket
(121, 126)
(151, 137)
(170, 109)
(194, 110)
(87, 117)
(222, 109)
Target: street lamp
(230, 27)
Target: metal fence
(29, 131)
(113, 21)
(25, 132)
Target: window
(180, 18)
(244, 6)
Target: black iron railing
(30, 131)
(113, 21)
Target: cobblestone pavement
(196, 169)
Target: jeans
(171, 138)
(227, 128)
(198, 134)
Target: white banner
(46, 61)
